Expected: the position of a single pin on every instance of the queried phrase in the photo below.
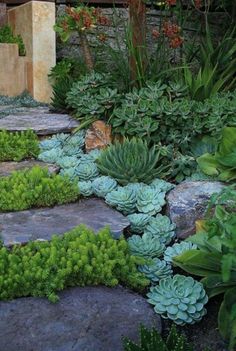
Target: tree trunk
(86, 51)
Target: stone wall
(119, 17)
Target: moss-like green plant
(18, 146)
(131, 161)
(35, 188)
(150, 340)
(180, 299)
(79, 257)
(7, 36)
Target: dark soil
(204, 336)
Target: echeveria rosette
(103, 185)
(162, 228)
(86, 171)
(181, 299)
(68, 172)
(161, 185)
(123, 199)
(50, 156)
(146, 246)
(156, 269)
(87, 158)
(95, 154)
(177, 249)
(136, 187)
(72, 150)
(68, 162)
(138, 222)
(77, 139)
(48, 144)
(150, 201)
(85, 188)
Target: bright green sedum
(131, 161)
(35, 188)
(18, 146)
(77, 258)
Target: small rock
(85, 319)
(40, 224)
(98, 136)
(6, 168)
(187, 203)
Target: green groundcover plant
(7, 36)
(215, 259)
(35, 188)
(77, 258)
(18, 146)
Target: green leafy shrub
(150, 340)
(7, 36)
(223, 162)
(152, 114)
(92, 97)
(18, 146)
(131, 161)
(35, 188)
(180, 299)
(77, 258)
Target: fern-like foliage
(35, 188)
(151, 340)
(18, 146)
(131, 161)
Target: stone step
(85, 319)
(40, 224)
(6, 168)
(40, 120)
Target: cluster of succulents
(156, 269)
(181, 299)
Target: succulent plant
(85, 188)
(123, 199)
(150, 201)
(77, 139)
(161, 185)
(68, 172)
(131, 161)
(61, 137)
(86, 158)
(136, 187)
(177, 249)
(161, 227)
(72, 150)
(48, 144)
(146, 246)
(68, 162)
(95, 154)
(138, 222)
(180, 299)
(86, 171)
(51, 156)
(156, 270)
(103, 185)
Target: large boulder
(187, 202)
(85, 319)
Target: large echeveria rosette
(181, 299)
(146, 246)
(162, 228)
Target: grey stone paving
(39, 120)
(85, 319)
(6, 168)
(187, 203)
(23, 226)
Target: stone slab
(85, 319)
(40, 224)
(187, 202)
(39, 120)
(6, 168)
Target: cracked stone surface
(187, 203)
(85, 319)
(6, 168)
(40, 120)
(40, 224)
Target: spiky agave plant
(131, 161)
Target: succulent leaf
(146, 246)
(162, 228)
(177, 249)
(103, 185)
(156, 269)
(123, 199)
(138, 222)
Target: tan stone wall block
(34, 21)
(13, 75)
